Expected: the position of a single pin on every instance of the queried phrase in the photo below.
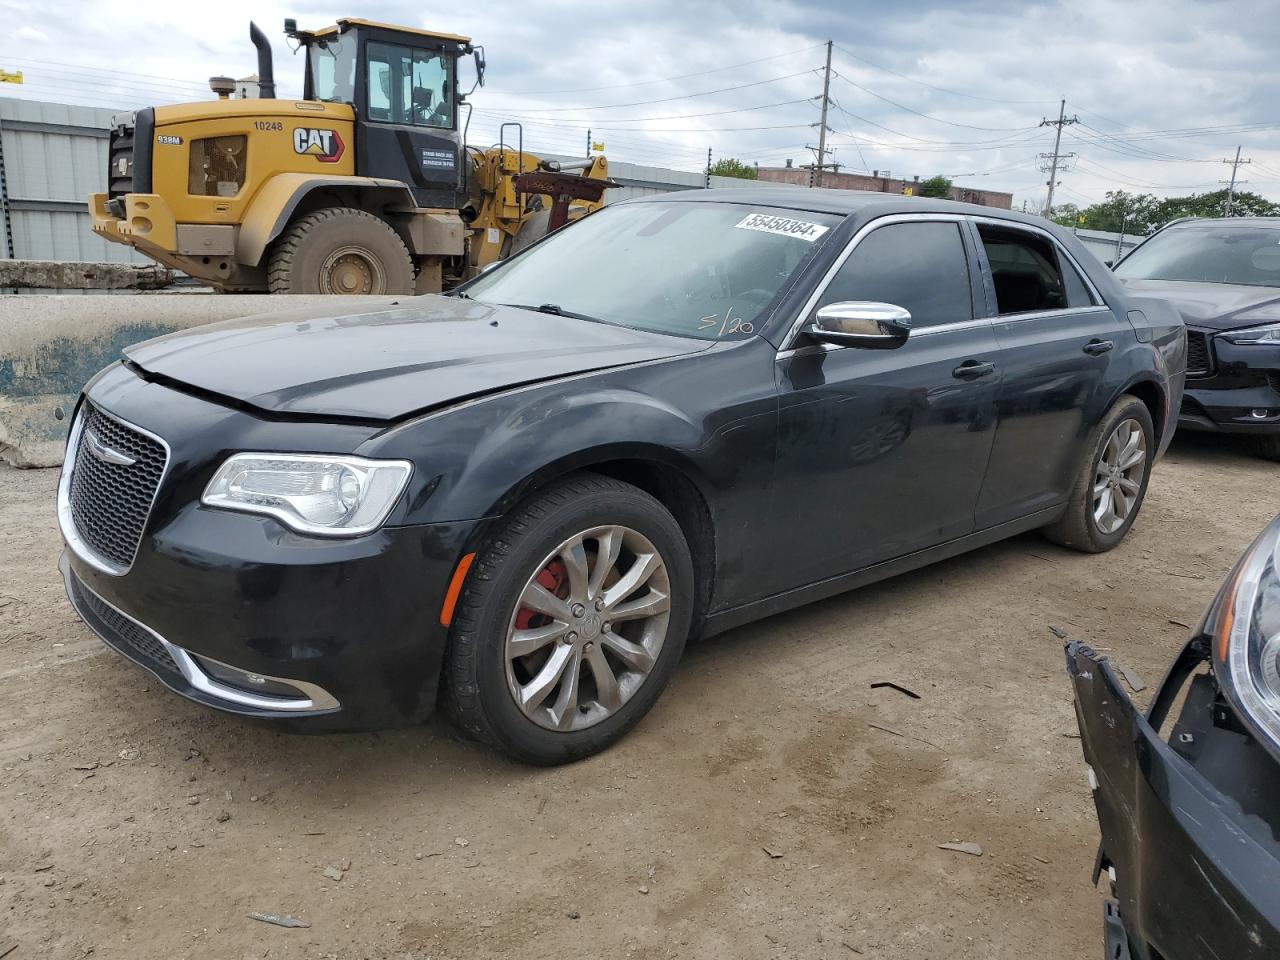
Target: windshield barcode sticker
(783, 226)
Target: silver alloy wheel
(1117, 480)
(588, 628)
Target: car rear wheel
(1111, 484)
(572, 621)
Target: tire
(1269, 447)
(340, 250)
(1080, 528)
(484, 673)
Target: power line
(931, 86)
(690, 116)
(683, 76)
(643, 103)
(900, 106)
(947, 143)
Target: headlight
(1268, 334)
(1247, 638)
(329, 496)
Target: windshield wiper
(555, 310)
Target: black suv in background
(1224, 277)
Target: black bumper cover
(1197, 869)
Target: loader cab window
(410, 87)
(331, 68)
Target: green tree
(733, 167)
(1214, 204)
(938, 186)
(1068, 215)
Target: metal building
(52, 156)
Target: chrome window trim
(66, 522)
(788, 350)
(317, 698)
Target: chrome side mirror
(861, 323)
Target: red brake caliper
(555, 578)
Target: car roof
(1272, 223)
(840, 202)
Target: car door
(1057, 337)
(882, 452)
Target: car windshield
(332, 63)
(691, 268)
(1228, 253)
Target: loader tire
(340, 250)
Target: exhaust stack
(266, 71)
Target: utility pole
(707, 181)
(1231, 184)
(822, 123)
(1056, 157)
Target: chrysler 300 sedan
(678, 415)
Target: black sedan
(676, 416)
(1224, 277)
(1190, 807)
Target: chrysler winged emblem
(106, 454)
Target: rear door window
(1025, 271)
(918, 266)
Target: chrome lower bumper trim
(314, 697)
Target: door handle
(1096, 348)
(973, 369)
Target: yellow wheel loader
(366, 185)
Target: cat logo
(325, 145)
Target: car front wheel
(572, 621)
(1111, 483)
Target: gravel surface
(773, 805)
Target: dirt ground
(134, 824)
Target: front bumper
(347, 630)
(143, 220)
(1243, 379)
(1189, 827)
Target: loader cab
(403, 86)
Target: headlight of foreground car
(327, 496)
(1263, 335)
(1247, 638)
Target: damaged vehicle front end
(1188, 794)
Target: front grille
(110, 502)
(118, 630)
(1273, 380)
(1199, 354)
(120, 161)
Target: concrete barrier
(51, 345)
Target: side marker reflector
(455, 589)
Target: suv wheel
(572, 622)
(1111, 483)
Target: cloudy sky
(1163, 90)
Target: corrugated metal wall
(54, 156)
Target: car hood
(1214, 306)
(391, 361)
